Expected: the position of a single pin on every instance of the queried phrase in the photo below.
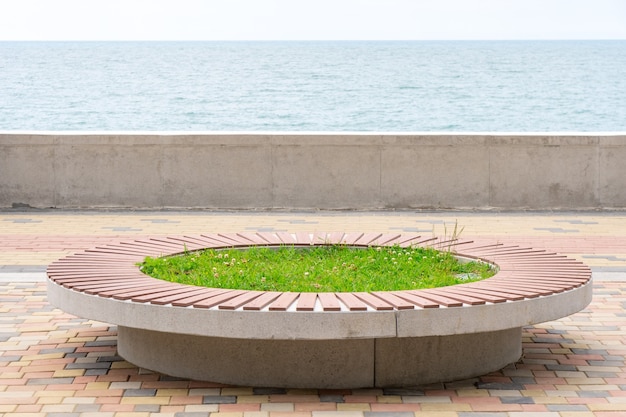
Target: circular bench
(319, 340)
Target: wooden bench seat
(531, 286)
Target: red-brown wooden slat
(218, 299)
(320, 238)
(389, 239)
(303, 238)
(306, 301)
(164, 299)
(81, 286)
(375, 302)
(157, 243)
(271, 238)
(172, 290)
(463, 298)
(417, 241)
(416, 299)
(254, 238)
(93, 282)
(240, 300)
(192, 299)
(397, 302)
(286, 238)
(329, 301)
(284, 301)
(368, 238)
(437, 298)
(335, 238)
(219, 240)
(234, 238)
(83, 277)
(351, 301)
(262, 301)
(153, 289)
(103, 291)
(352, 238)
(122, 292)
(505, 294)
(502, 287)
(208, 243)
(538, 289)
(487, 296)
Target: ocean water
(314, 86)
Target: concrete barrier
(313, 170)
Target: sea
(351, 86)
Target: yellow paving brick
(7, 408)
(43, 356)
(252, 399)
(607, 407)
(389, 399)
(283, 407)
(79, 400)
(97, 385)
(533, 393)
(68, 373)
(49, 400)
(353, 407)
(11, 375)
(445, 407)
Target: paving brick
(573, 367)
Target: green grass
(317, 269)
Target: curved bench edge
(299, 325)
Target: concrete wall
(313, 170)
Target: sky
(311, 19)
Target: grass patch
(317, 269)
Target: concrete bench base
(348, 363)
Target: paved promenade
(56, 365)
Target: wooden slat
(329, 301)
(351, 301)
(262, 301)
(217, 299)
(196, 298)
(306, 301)
(240, 300)
(375, 302)
(392, 299)
(284, 301)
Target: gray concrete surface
(313, 170)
